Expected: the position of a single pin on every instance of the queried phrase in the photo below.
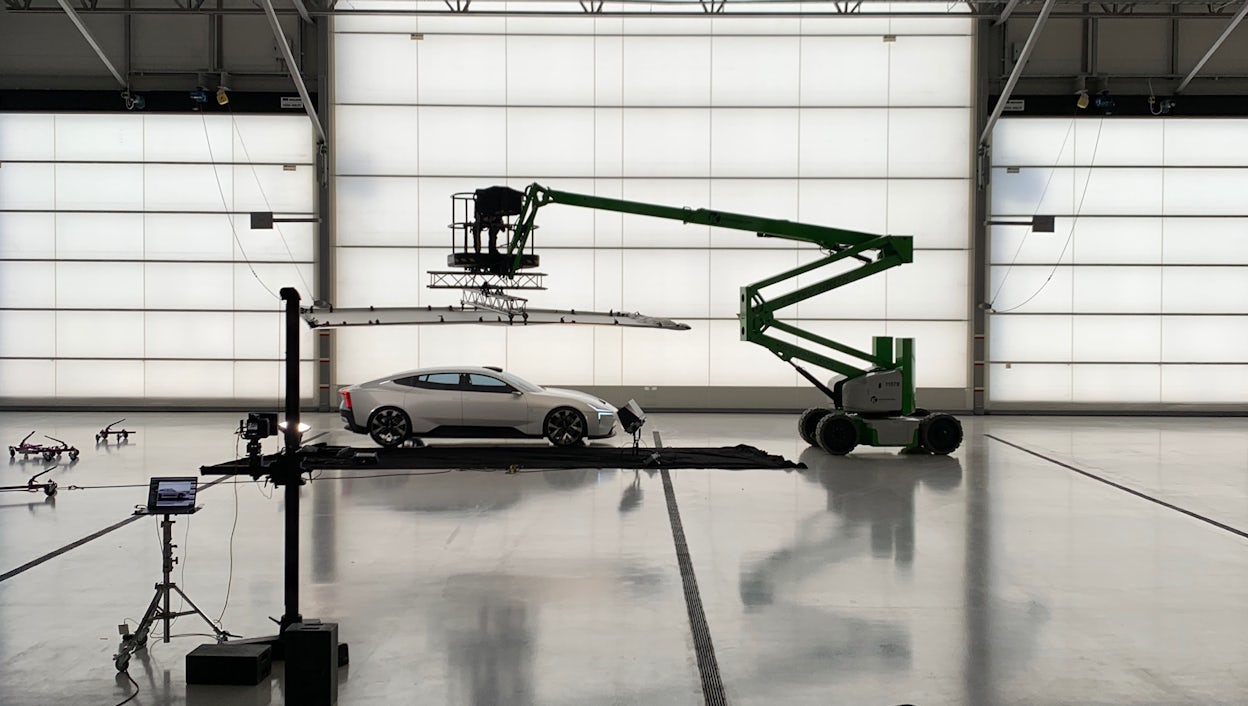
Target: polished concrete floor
(999, 575)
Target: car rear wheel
(389, 426)
(564, 426)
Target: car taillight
(346, 398)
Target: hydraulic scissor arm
(876, 253)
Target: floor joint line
(74, 545)
(1119, 486)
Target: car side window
(486, 383)
(438, 381)
(409, 381)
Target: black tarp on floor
(324, 457)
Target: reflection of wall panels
(834, 127)
(1140, 295)
(130, 274)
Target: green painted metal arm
(876, 252)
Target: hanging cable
(1052, 170)
(1073, 224)
(229, 581)
(259, 186)
(226, 208)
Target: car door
(434, 400)
(491, 402)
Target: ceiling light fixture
(223, 97)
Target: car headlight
(602, 411)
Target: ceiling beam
(1005, 13)
(292, 68)
(303, 11)
(1017, 72)
(86, 34)
(1239, 16)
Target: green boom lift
(872, 405)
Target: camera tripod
(159, 609)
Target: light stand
(159, 609)
(632, 419)
(285, 469)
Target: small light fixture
(1081, 90)
(223, 97)
(133, 101)
(300, 427)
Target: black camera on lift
(257, 426)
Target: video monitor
(172, 496)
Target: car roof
(444, 369)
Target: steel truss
(480, 281)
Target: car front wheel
(564, 426)
(389, 426)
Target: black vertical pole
(166, 526)
(290, 474)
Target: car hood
(579, 396)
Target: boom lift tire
(837, 434)
(940, 434)
(809, 421)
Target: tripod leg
(145, 624)
(221, 634)
(137, 640)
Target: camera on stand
(257, 426)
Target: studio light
(222, 87)
(1104, 101)
(300, 427)
(1082, 101)
(132, 101)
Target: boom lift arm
(876, 399)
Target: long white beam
(1239, 17)
(303, 10)
(86, 34)
(1041, 19)
(1005, 14)
(291, 67)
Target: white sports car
(470, 402)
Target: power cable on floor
(136, 689)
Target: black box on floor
(223, 663)
(311, 663)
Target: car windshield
(520, 383)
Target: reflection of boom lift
(872, 405)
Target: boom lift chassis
(873, 403)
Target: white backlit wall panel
(1141, 292)
(124, 278)
(811, 120)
